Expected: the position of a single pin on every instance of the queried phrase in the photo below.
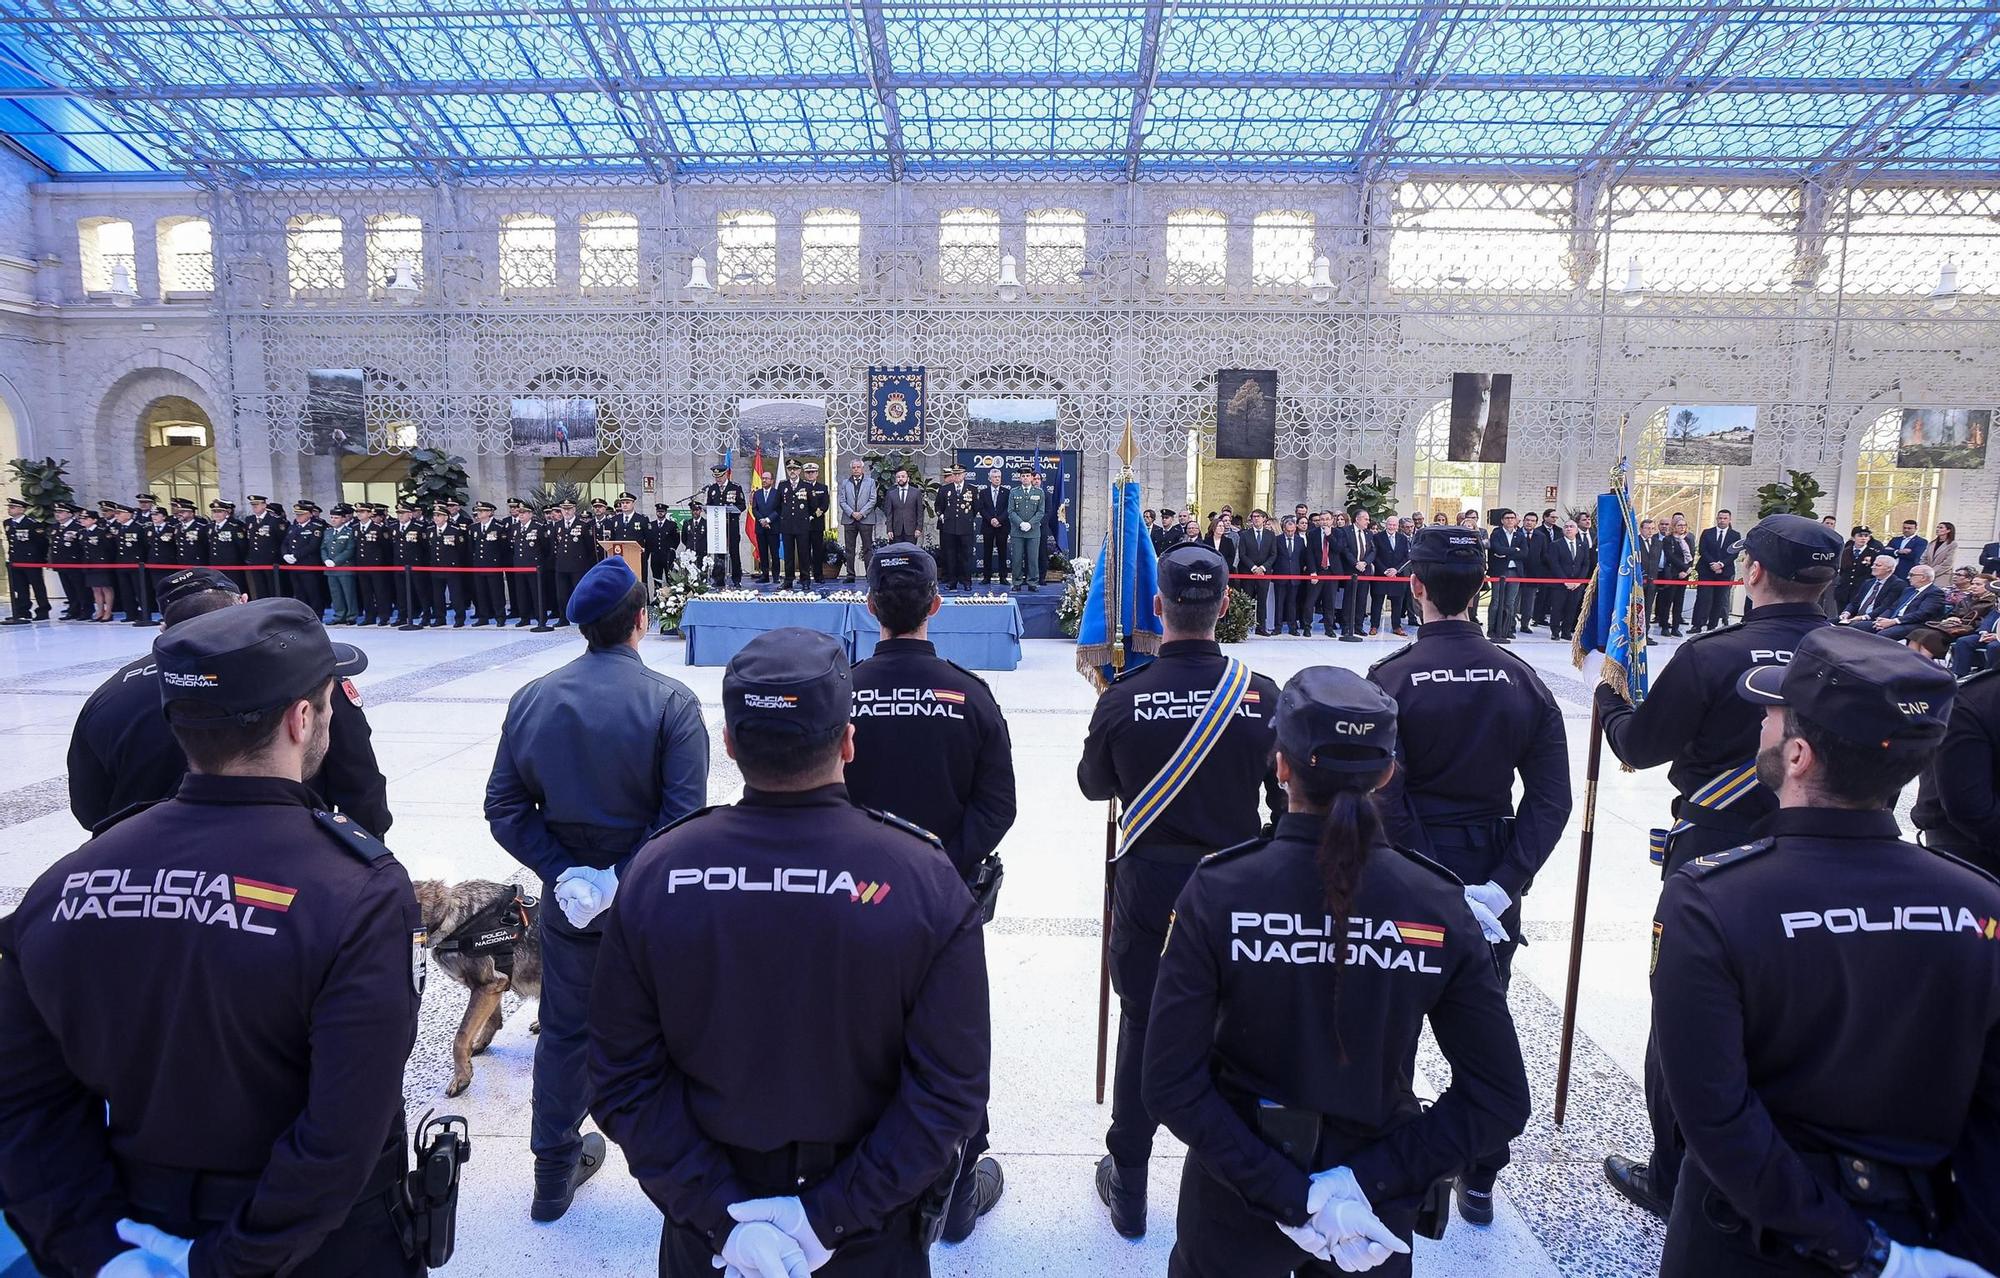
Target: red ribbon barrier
(1519, 581)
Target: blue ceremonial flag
(1118, 631)
(1614, 604)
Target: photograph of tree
(333, 414)
(1010, 423)
(554, 426)
(1709, 435)
(1481, 405)
(1246, 412)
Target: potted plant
(1234, 626)
(1792, 496)
(42, 484)
(1367, 490)
(435, 477)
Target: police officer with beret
(931, 745)
(1692, 720)
(1826, 998)
(593, 756)
(804, 1108)
(231, 1102)
(1473, 718)
(1298, 973)
(121, 753)
(1958, 795)
(1196, 801)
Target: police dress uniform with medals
(66, 547)
(27, 543)
(1826, 1001)
(1692, 720)
(490, 549)
(725, 492)
(266, 529)
(839, 1057)
(238, 1082)
(1284, 1020)
(1138, 728)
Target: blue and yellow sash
(1717, 793)
(1181, 765)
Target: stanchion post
(541, 626)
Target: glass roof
(257, 89)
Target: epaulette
(1708, 863)
(680, 821)
(1400, 652)
(1435, 867)
(972, 675)
(908, 827)
(130, 810)
(1977, 675)
(1237, 849)
(1719, 630)
(1980, 870)
(347, 832)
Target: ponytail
(1350, 824)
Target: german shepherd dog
(446, 909)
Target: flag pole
(1112, 565)
(1584, 848)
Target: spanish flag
(1427, 934)
(756, 482)
(270, 896)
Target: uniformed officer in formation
(1692, 720)
(1826, 998)
(1958, 795)
(266, 528)
(411, 542)
(191, 532)
(1473, 717)
(66, 547)
(228, 540)
(125, 556)
(1298, 973)
(27, 543)
(232, 1101)
(1135, 738)
(957, 522)
(805, 1110)
(490, 550)
(301, 547)
(627, 524)
(723, 491)
(1026, 509)
(573, 549)
(664, 545)
(593, 756)
(802, 520)
(931, 745)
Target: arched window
(104, 248)
(609, 252)
(186, 255)
(830, 249)
(1055, 247)
(1281, 248)
(1197, 249)
(527, 252)
(1659, 490)
(180, 452)
(1886, 494)
(395, 240)
(746, 250)
(969, 247)
(1445, 488)
(315, 254)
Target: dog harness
(495, 930)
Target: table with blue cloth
(976, 636)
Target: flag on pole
(756, 482)
(1613, 621)
(779, 554)
(1118, 630)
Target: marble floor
(436, 700)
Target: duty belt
(184, 1195)
(1717, 793)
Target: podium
(630, 551)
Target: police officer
(722, 491)
(802, 519)
(1025, 510)
(1692, 720)
(1297, 977)
(375, 554)
(1135, 746)
(448, 551)
(931, 745)
(191, 533)
(627, 524)
(232, 1101)
(592, 757)
(340, 548)
(573, 549)
(663, 551)
(1958, 795)
(1826, 999)
(489, 550)
(957, 520)
(529, 548)
(774, 1113)
(1473, 716)
(301, 547)
(228, 540)
(126, 553)
(412, 543)
(266, 529)
(66, 547)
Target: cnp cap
(1858, 686)
(1192, 573)
(341, 508)
(901, 562)
(1794, 547)
(790, 680)
(176, 586)
(603, 588)
(1448, 544)
(248, 658)
(1330, 719)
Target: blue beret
(602, 589)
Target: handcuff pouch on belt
(1717, 793)
(985, 886)
(934, 1204)
(429, 1200)
(495, 930)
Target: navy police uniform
(490, 549)
(265, 531)
(1139, 722)
(840, 1055)
(27, 543)
(1267, 1004)
(726, 492)
(239, 1082)
(1958, 796)
(1832, 1103)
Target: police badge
(419, 959)
(897, 410)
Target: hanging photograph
(896, 408)
(554, 425)
(1709, 435)
(335, 424)
(795, 426)
(1246, 412)
(1943, 438)
(1481, 404)
(1010, 423)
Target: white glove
(291, 559)
(1342, 1216)
(1308, 1240)
(1924, 1262)
(1592, 667)
(760, 1251)
(584, 893)
(138, 1264)
(1492, 896)
(1490, 926)
(163, 1253)
(789, 1215)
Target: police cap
(486, 506)
(88, 513)
(628, 497)
(147, 497)
(790, 680)
(454, 499)
(69, 507)
(1794, 547)
(16, 501)
(406, 506)
(219, 504)
(1333, 720)
(1192, 573)
(1448, 544)
(241, 660)
(718, 469)
(257, 497)
(1858, 686)
(603, 588)
(182, 503)
(341, 508)
(900, 562)
(1861, 530)
(176, 586)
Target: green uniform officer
(1025, 508)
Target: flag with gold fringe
(1118, 631)
(1613, 619)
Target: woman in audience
(1943, 550)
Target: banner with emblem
(896, 407)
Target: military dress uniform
(1138, 725)
(573, 549)
(339, 548)
(1026, 505)
(802, 519)
(128, 558)
(191, 535)
(1826, 1001)
(1958, 796)
(267, 535)
(376, 549)
(663, 550)
(301, 546)
(528, 547)
(411, 540)
(163, 553)
(841, 1057)
(957, 521)
(490, 549)
(630, 525)
(66, 547)
(228, 542)
(1272, 1070)
(725, 492)
(449, 549)
(239, 1082)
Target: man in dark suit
(1506, 558)
(1568, 557)
(1676, 555)
(1356, 544)
(1652, 546)
(1534, 563)
(1989, 557)
(1392, 559)
(1975, 651)
(989, 509)
(1287, 597)
(1323, 562)
(1156, 530)
(904, 506)
(764, 511)
(1908, 549)
(1256, 548)
(1921, 604)
(1878, 598)
(1715, 561)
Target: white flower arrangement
(1076, 592)
(671, 600)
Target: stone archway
(179, 441)
(117, 425)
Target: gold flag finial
(1126, 449)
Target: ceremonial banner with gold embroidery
(896, 407)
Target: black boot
(1635, 1180)
(974, 1195)
(1474, 1195)
(1123, 1190)
(553, 1199)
